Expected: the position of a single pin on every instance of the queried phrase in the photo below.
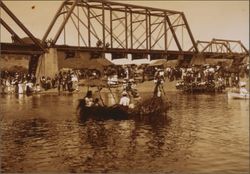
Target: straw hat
(124, 93)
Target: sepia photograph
(117, 86)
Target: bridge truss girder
(235, 46)
(221, 48)
(121, 26)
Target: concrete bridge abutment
(48, 64)
(198, 59)
(54, 60)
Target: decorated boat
(154, 106)
(200, 87)
(150, 107)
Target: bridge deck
(30, 49)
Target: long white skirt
(20, 88)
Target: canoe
(234, 95)
(154, 106)
(103, 113)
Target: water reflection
(201, 134)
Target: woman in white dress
(20, 87)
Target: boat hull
(152, 107)
(234, 95)
(104, 113)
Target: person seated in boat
(85, 104)
(124, 101)
(96, 102)
(243, 89)
(88, 99)
(130, 88)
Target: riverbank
(147, 86)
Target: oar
(99, 91)
(163, 90)
(112, 94)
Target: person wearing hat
(89, 99)
(124, 101)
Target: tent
(159, 62)
(222, 62)
(87, 63)
(165, 63)
(104, 62)
(171, 63)
(98, 63)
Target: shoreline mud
(147, 86)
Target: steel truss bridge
(120, 29)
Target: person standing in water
(159, 80)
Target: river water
(206, 134)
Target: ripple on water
(206, 134)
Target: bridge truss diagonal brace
(20, 24)
(190, 33)
(64, 22)
(12, 32)
(127, 39)
(53, 21)
(228, 43)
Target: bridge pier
(198, 59)
(55, 59)
(47, 64)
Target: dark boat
(200, 87)
(150, 107)
(153, 106)
(103, 113)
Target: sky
(207, 19)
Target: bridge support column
(198, 59)
(47, 64)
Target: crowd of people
(206, 78)
(19, 82)
(27, 83)
(63, 81)
(206, 73)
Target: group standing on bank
(191, 77)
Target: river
(206, 134)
